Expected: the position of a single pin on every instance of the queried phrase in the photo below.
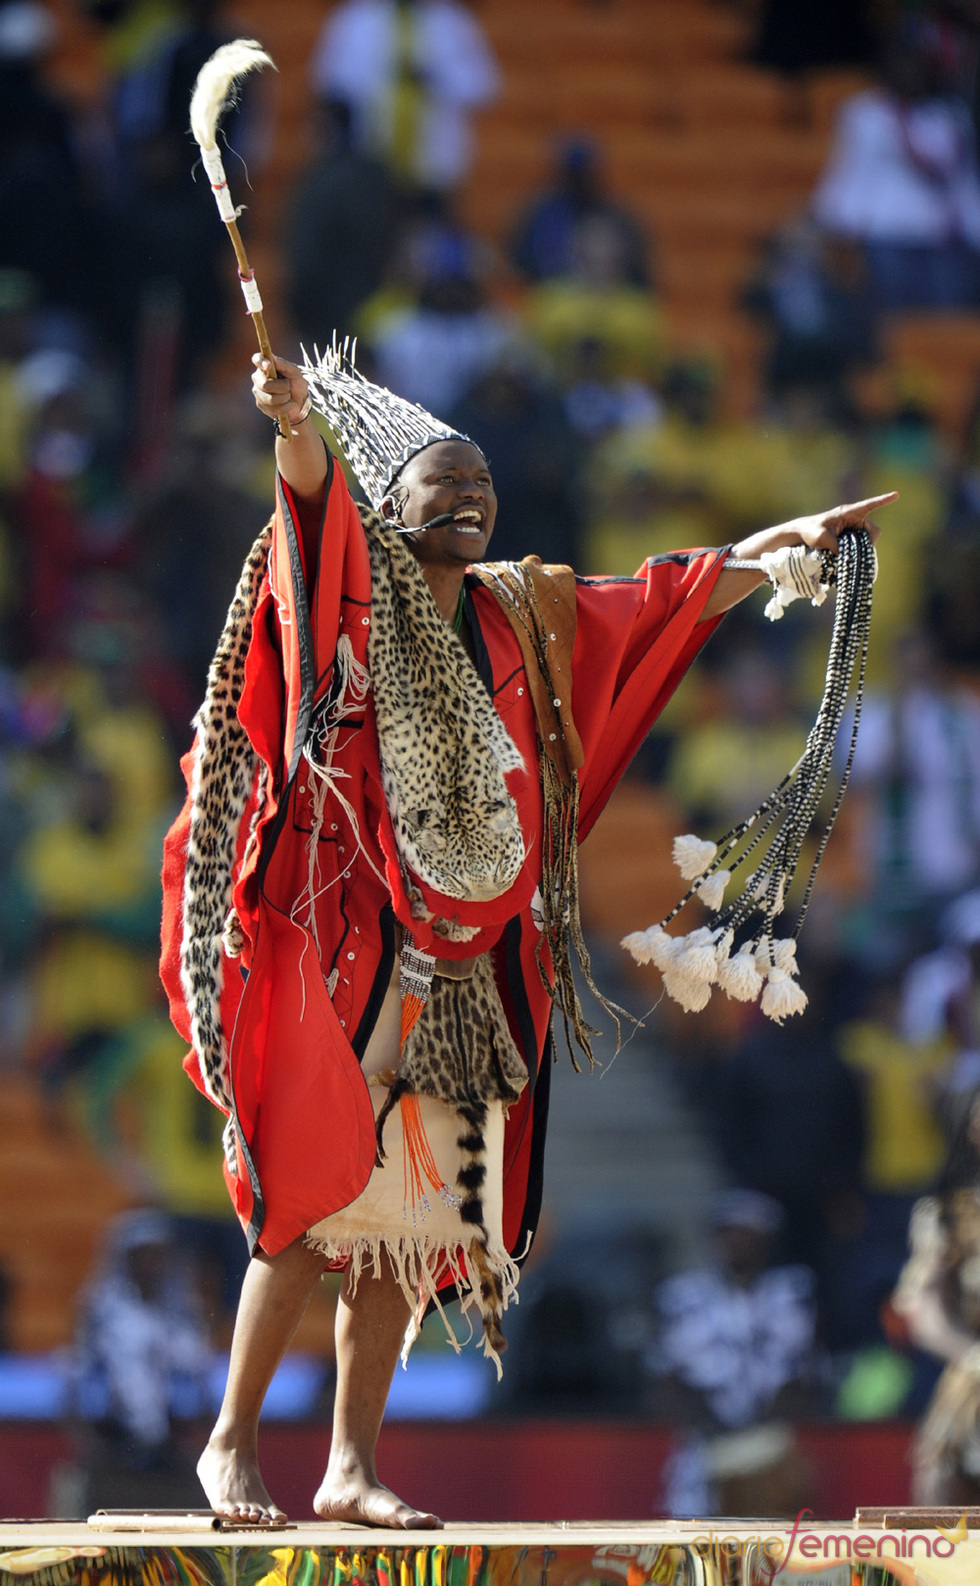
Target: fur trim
(224, 776)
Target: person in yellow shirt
(904, 1148)
(598, 303)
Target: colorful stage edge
(879, 1548)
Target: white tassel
(782, 996)
(712, 890)
(763, 956)
(738, 977)
(653, 946)
(693, 855)
(638, 947)
(215, 81)
(784, 955)
(663, 947)
(693, 995)
(697, 958)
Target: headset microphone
(433, 523)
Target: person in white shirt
(412, 72)
(903, 180)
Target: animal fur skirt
(429, 1239)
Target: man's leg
(371, 1325)
(274, 1296)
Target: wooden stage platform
(877, 1548)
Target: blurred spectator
(735, 1349)
(433, 352)
(598, 401)
(906, 447)
(789, 1122)
(723, 766)
(939, 1297)
(811, 295)
(903, 180)
(18, 295)
(168, 282)
(698, 479)
(901, 1083)
(952, 570)
(652, 486)
(918, 755)
(543, 246)
(88, 866)
(340, 233)
(191, 530)
(941, 995)
(44, 226)
(598, 303)
(412, 72)
(797, 36)
(900, 1079)
(141, 1360)
(518, 422)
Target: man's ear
(393, 506)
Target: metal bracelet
(304, 414)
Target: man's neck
(445, 584)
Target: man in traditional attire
(399, 752)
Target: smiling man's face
(448, 477)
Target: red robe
(300, 1008)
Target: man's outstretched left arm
(819, 532)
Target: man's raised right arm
(281, 390)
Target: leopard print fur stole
(444, 749)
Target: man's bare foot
(354, 1498)
(234, 1487)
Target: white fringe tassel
(692, 964)
(782, 996)
(693, 855)
(416, 1265)
(711, 891)
(738, 977)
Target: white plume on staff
(214, 92)
(216, 81)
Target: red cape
(300, 1007)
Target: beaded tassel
(691, 964)
(414, 980)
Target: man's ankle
(347, 1463)
(229, 1437)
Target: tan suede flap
(545, 630)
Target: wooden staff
(213, 92)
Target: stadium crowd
(132, 480)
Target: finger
(264, 385)
(856, 510)
(285, 367)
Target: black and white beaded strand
(692, 964)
